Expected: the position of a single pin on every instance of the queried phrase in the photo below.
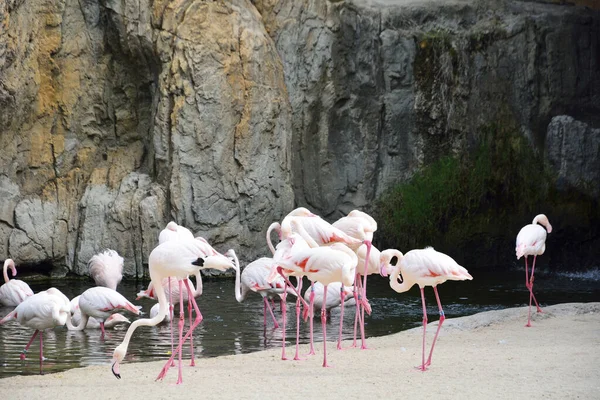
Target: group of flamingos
(336, 256)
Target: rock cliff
(118, 116)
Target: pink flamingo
(254, 279)
(101, 302)
(14, 291)
(531, 241)
(424, 267)
(106, 269)
(326, 264)
(361, 225)
(112, 321)
(337, 295)
(40, 311)
(178, 258)
(320, 231)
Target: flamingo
(312, 226)
(112, 321)
(101, 302)
(106, 268)
(333, 298)
(40, 311)
(13, 291)
(254, 279)
(178, 258)
(531, 241)
(325, 264)
(424, 267)
(361, 225)
(173, 231)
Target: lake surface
(233, 328)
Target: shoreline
(485, 355)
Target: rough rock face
(573, 151)
(117, 117)
(380, 87)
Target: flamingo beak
(115, 370)
(383, 270)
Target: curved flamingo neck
(238, 279)
(8, 263)
(162, 312)
(277, 227)
(82, 322)
(299, 228)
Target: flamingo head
(385, 263)
(172, 226)
(9, 263)
(219, 262)
(116, 318)
(118, 356)
(543, 220)
(301, 212)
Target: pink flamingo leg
(531, 286)
(171, 313)
(339, 344)
(265, 302)
(41, 352)
(324, 325)
(422, 367)
(102, 329)
(192, 361)
(197, 321)
(180, 324)
(312, 315)
(441, 321)
(283, 312)
(267, 305)
(24, 352)
(297, 356)
(298, 295)
(356, 313)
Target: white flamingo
(424, 267)
(40, 311)
(325, 264)
(106, 269)
(178, 258)
(101, 302)
(531, 241)
(13, 291)
(254, 279)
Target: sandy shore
(487, 355)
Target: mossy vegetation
(473, 198)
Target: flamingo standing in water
(101, 302)
(424, 267)
(178, 258)
(13, 291)
(92, 323)
(337, 295)
(41, 311)
(106, 269)
(531, 241)
(254, 279)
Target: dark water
(233, 328)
